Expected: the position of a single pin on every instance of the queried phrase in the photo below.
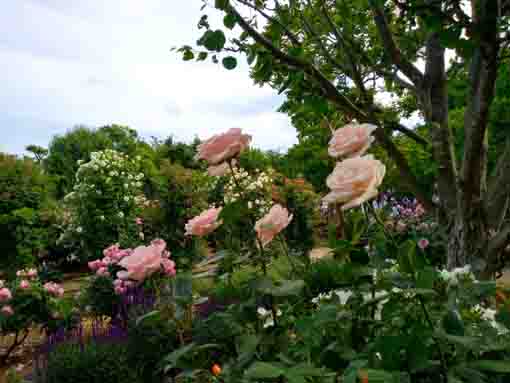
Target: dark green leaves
(229, 62)
(452, 323)
(263, 370)
(213, 40)
(500, 366)
(229, 21)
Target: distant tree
(77, 144)
(38, 151)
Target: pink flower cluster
(54, 289)
(112, 256)
(28, 273)
(136, 264)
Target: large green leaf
(264, 370)
(453, 323)
(229, 21)
(500, 366)
(288, 288)
(213, 40)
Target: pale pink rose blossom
(7, 311)
(223, 147)
(272, 223)
(354, 181)
(24, 284)
(54, 289)
(5, 294)
(138, 221)
(144, 261)
(352, 140)
(205, 223)
(423, 243)
(218, 170)
(159, 244)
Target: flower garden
(200, 262)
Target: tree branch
(411, 71)
(498, 196)
(327, 87)
(292, 37)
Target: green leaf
(351, 372)
(151, 315)
(379, 376)
(229, 62)
(213, 40)
(503, 316)
(263, 370)
(500, 366)
(425, 278)
(288, 288)
(406, 256)
(229, 21)
(464, 341)
(221, 4)
(188, 55)
(202, 56)
(453, 323)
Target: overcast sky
(98, 62)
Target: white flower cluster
(489, 315)
(452, 278)
(255, 188)
(343, 296)
(267, 316)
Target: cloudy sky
(97, 62)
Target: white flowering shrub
(254, 189)
(105, 203)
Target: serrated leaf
(263, 370)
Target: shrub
(105, 203)
(25, 224)
(90, 363)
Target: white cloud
(96, 62)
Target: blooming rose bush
(105, 202)
(25, 303)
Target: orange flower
(216, 369)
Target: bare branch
(410, 70)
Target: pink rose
(168, 267)
(272, 223)
(7, 311)
(54, 289)
(144, 261)
(120, 290)
(5, 294)
(423, 243)
(138, 221)
(95, 265)
(218, 170)
(103, 271)
(159, 244)
(354, 181)
(24, 284)
(205, 223)
(111, 250)
(352, 140)
(32, 273)
(223, 147)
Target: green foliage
(26, 217)
(65, 151)
(98, 297)
(94, 363)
